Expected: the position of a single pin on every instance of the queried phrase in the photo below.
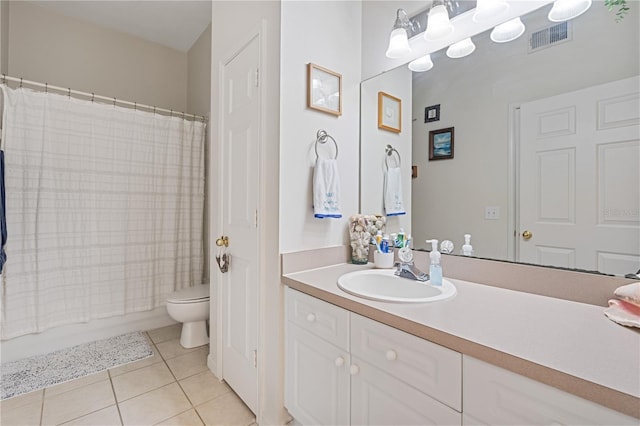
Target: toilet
(190, 306)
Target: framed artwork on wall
(389, 112)
(432, 113)
(324, 89)
(441, 144)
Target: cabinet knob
(311, 317)
(354, 369)
(339, 361)
(391, 355)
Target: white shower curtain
(104, 210)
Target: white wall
(48, 47)
(232, 21)
(199, 102)
(475, 92)
(4, 37)
(373, 142)
(327, 34)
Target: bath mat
(40, 371)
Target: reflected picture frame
(441, 144)
(389, 112)
(324, 89)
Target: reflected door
(239, 168)
(579, 179)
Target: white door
(580, 181)
(239, 168)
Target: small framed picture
(324, 89)
(432, 113)
(389, 112)
(441, 144)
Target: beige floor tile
(20, 400)
(77, 383)
(154, 359)
(155, 406)
(143, 380)
(106, 417)
(77, 402)
(188, 418)
(163, 334)
(203, 387)
(21, 415)
(189, 364)
(226, 410)
(173, 348)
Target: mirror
(476, 191)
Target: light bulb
(508, 31)
(490, 10)
(563, 10)
(421, 64)
(438, 24)
(461, 49)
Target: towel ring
(390, 150)
(321, 137)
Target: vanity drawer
(428, 367)
(327, 321)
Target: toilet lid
(190, 294)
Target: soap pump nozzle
(435, 254)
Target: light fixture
(438, 23)
(563, 10)
(399, 40)
(490, 10)
(461, 49)
(421, 64)
(508, 31)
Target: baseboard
(212, 364)
(75, 334)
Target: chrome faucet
(409, 270)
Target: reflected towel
(326, 189)
(3, 216)
(393, 205)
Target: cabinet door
(496, 396)
(380, 399)
(317, 379)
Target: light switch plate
(492, 213)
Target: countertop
(569, 345)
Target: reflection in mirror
(480, 96)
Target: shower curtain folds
(104, 209)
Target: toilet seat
(197, 293)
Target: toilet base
(194, 334)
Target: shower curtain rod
(93, 96)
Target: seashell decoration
(362, 229)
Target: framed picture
(389, 112)
(441, 144)
(432, 113)
(324, 89)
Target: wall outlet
(492, 212)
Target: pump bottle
(435, 269)
(467, 250)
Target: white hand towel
(326, 189)
(393, 205)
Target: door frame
(513, 182)
(257, 32)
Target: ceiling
(173, 23)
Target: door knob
(222, 241)
(527, 235)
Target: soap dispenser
(467, 250)
(435, 270)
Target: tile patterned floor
(173, 387)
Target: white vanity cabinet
(342, 368)
(494, 396)
(317, 361)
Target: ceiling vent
(550, 36)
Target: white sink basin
(382, 284)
